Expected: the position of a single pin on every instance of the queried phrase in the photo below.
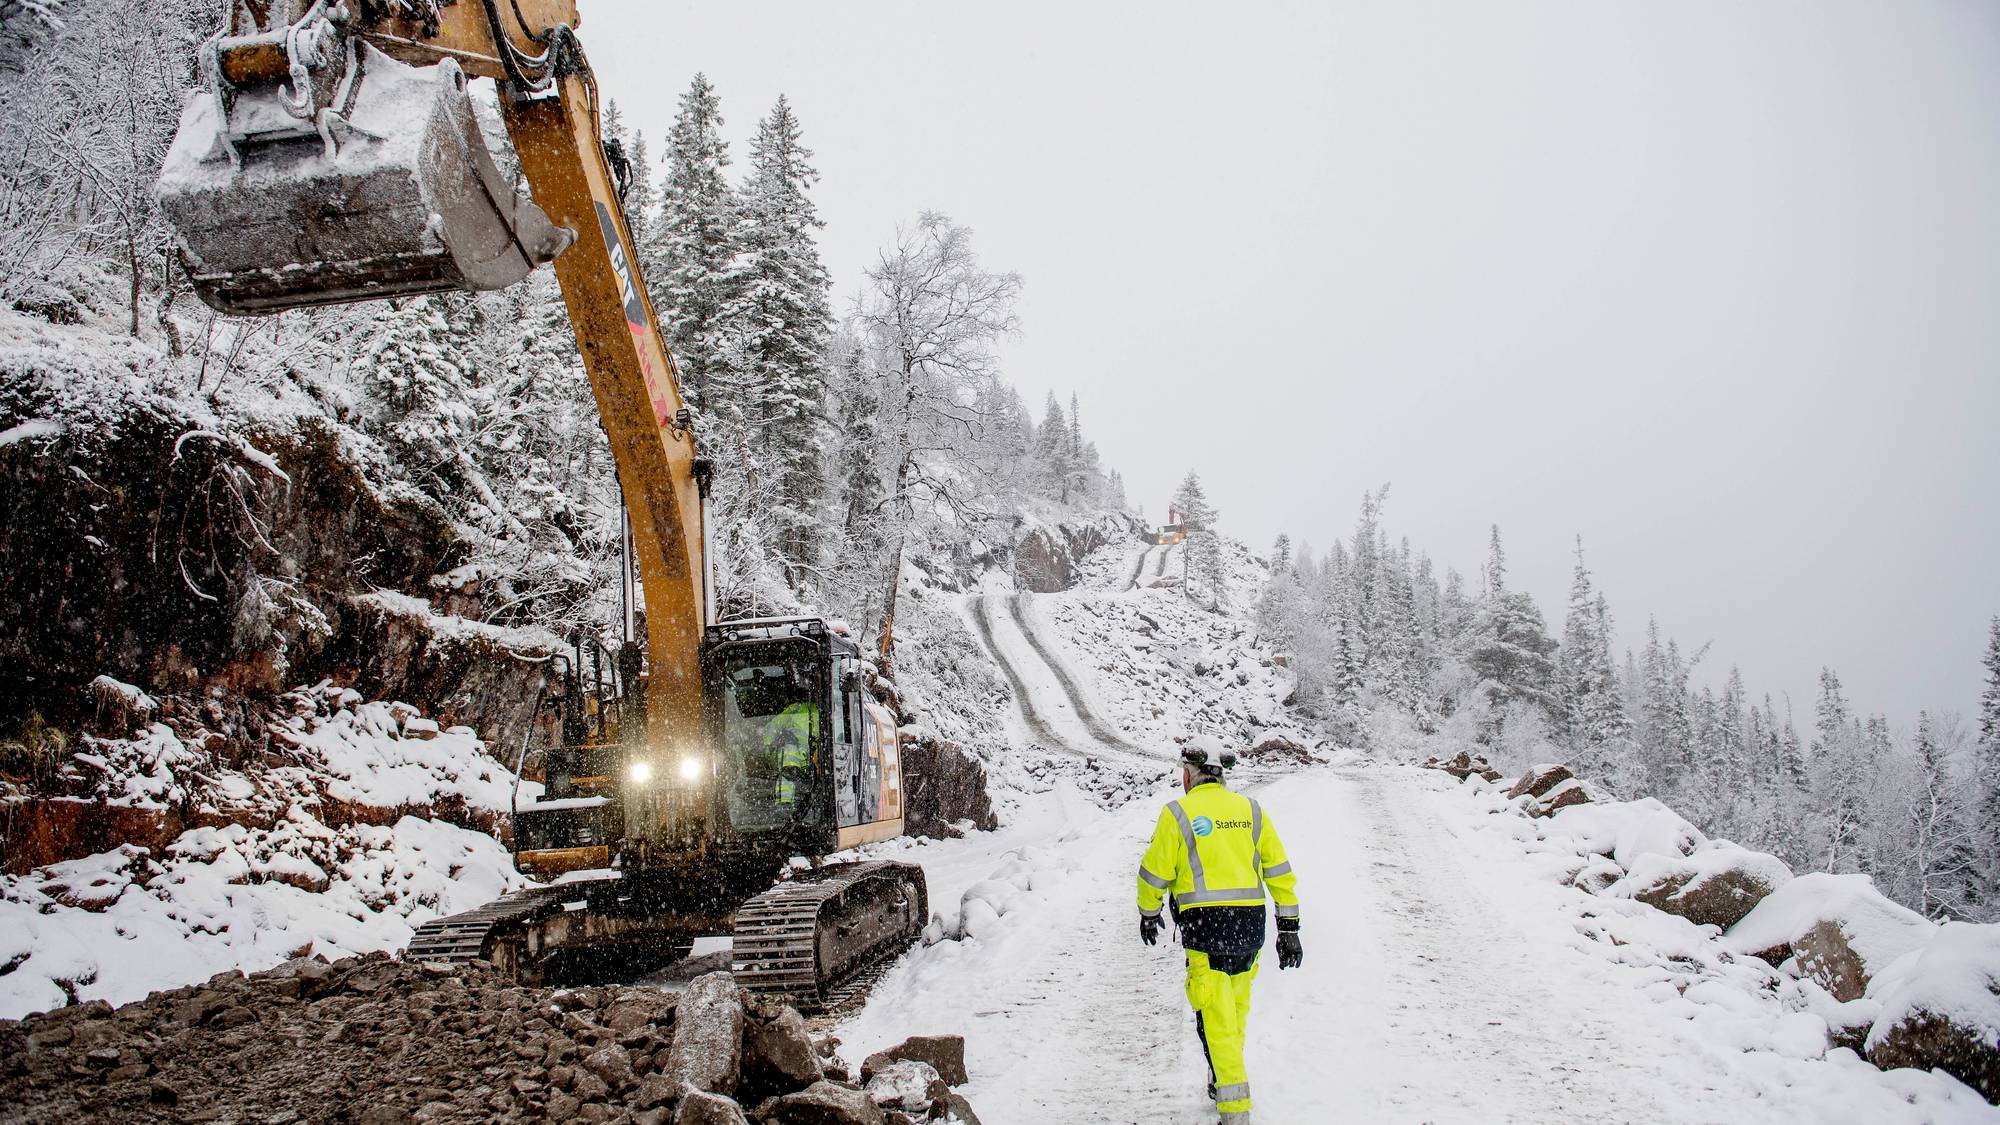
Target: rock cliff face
(168, 550)
(1047, 557)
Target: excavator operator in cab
(1217, 853)
(788, 741)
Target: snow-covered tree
(1511, 652)
(693, 242)
(931, 316)
(1934, 841)
(777, 318)
(1983, 785)
(1592, 716)
(1205, 564)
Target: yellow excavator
(334, 154)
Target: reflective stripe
(1233, 894)
(1236, 1117)
(1153, 880)
(1234, 1092)
(1276, 870)
(1288, 911)
(1153, 913)
(1256, 823)
(1187, 838)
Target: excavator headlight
(639, 772)
(692, 767)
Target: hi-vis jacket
(1215, 848)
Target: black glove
(1149, 928)
(1290, 953)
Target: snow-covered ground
(1447, 979)
(278, 874)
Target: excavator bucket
(387, 189)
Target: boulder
(1941, 1008)
(707, 1048)
(644, 1008)
(823, 1103)
(1842, 930)
(613, 1065)
(699, 1108)
(946, 785)
(1597, 876)
(908, 1085)
(778, 1054)
(1539, 780)
(944, 1053)
(1626, 830)
(1716, 886)
(1566, 795)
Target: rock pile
(1901, 989)
(1463, 765)
(376, 1040)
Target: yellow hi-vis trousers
(1221, 1003)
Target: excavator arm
(335, 156)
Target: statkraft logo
(1203, 826)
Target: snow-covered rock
(707, 1048)
(1565, 795)
(1626, 830)
(824, 1103)
(1940, 1008)
(907, 1085)
(1539, 780)
(1842, 930)
(1716, 886)
(943, 1055)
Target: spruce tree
(1577, 669)
(1202, 547)
(1983, 786)
(1054, 444)
(1513, 655)
(778, 317)
(1496, 563)
(688, 258)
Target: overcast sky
(1714, 285)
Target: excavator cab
(805, 759)
(313, 169)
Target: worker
(788, 741)
(1217, 852)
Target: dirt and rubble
(377, 1040)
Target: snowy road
(1440, 985)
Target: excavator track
(816, 939)
(459, 938)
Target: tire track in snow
(1037, 725)
(1105, 1035)
(1464, 1011)
(1139, 568)
(1103, 731)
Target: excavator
(335, 153)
